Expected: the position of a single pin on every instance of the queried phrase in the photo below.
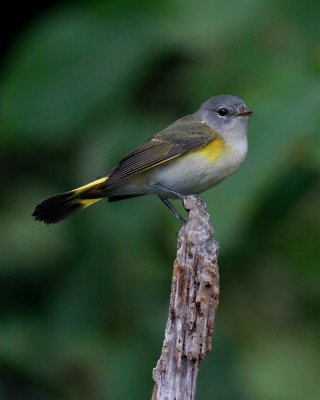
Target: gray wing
(186, 134)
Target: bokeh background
(84, 303)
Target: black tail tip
(56, 208)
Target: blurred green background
(84, 303)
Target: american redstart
(189, 156)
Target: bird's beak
(245, 112)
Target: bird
(191, 155)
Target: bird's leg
(167, 202)
(172, 209)
(169, 191)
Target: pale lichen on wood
(193, 302)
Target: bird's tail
(58, 207)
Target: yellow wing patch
(214, 149)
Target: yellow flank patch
(213, 150)
(87, 202)
(90, 186)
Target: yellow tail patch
(87, 202)
(58, 207)
(90, 185)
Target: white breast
(192, 174)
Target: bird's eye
(222, 111)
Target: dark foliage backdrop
(84, 303)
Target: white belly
(192, 174)
(187, 174)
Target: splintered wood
(193, 302)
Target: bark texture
(193, 301)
